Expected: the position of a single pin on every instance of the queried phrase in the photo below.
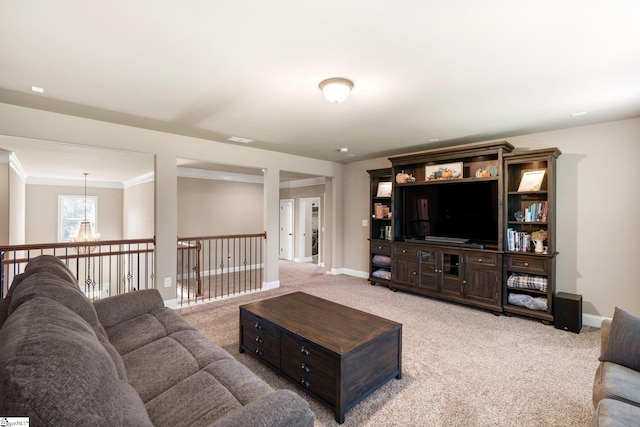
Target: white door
(286, 229)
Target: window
(71, 211)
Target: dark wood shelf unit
(380, 246)
(541, 266)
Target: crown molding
(320, 180)
(219, 176)
(17, 166)
(68, 182)
(147, 177)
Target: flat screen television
(466, 210)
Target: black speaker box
(567, 312)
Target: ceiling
(429, 72)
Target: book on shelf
(536, 212)
(380, 211)
(518, 241)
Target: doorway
(310, 243)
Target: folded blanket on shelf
(532, 303)
(382, 274)
(382, 260)
(527, 281)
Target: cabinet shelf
(524, 311)
(526, 291)
(446, 181)
(527, 193)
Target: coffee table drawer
(260, 337)
(310, 366)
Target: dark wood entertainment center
(448, 229)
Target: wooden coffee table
(338, 354)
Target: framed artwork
(384, 189)
(531, 181)
(444, 171)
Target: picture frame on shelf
(531, 181)
(443, 171)
(384, 189)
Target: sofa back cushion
(54, 370)
(623, 347)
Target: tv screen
(467, 210)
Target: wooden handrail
(75, 248)
(226, 236)
(36, 246)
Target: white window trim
(61, 218)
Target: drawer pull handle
(479, 259)
(526, 264)
(404, 252)
(305, 383)
(304, 351)
(305, 368)
(259, 352)
(379, 247)
(259, 340)
(258, 326)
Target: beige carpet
(460, 366)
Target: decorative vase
(539, 248)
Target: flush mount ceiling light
(336, 89)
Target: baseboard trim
(171, 303)
(592, 320)
(349, 272)
(271, 285)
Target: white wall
(41, 217)
(4, 198)
(167, 148)
(208, 207)
(598, 198)
(137, 220)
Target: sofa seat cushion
(157, 366)
(616, 382)
(54, 369)
(144, 329)
(199, 399)
(614, 413)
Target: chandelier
(85, 230)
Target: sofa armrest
(120, 308)
(278, 409)
(605, 330)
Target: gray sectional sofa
(616, 387)
(123, 361)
